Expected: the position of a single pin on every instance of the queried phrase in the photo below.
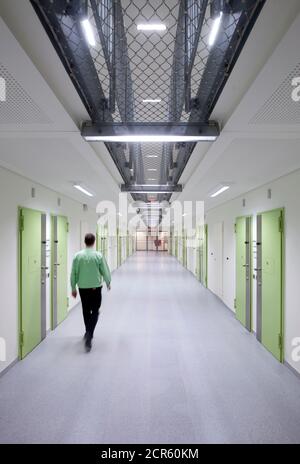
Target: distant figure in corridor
(89, 269)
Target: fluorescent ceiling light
(88, 32)
(151, 169)
(83, 190)
(151, 179)
(220, 190)
(150, 138)
(151, 27)
(152, 156)
(214, 30)
(152, 100)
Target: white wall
(15, 191)
(285, 193)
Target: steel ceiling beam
(230, 41)
(190, 21)
(209, 129)
(149, 188)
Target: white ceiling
(247, 155)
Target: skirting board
(291, 368)
(9, 367)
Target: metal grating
(18, 107)
(126, 66)
(280, 108)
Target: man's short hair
(89, 239)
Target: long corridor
(170, 364)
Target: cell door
(243, 271)
(32, 279)
(215, 263)
(127, 246)
(59, 269)
(176, 246)
(202, 254)
(184, 249)
(119, 251)
(270, 281)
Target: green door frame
(59, 269)
(243, 247)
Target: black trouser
(91, 301)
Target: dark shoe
(88, 343)
(85, 336)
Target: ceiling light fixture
(151, 169)
(83, 190)
(88, 32)
(150, 138)
(152, 100)
(219, 191)
(151, 27)
(214, 30)
(150, 132)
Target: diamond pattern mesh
(176, 67)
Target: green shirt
(89, 268)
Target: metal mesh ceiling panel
(178, 68)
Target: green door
(30, 279)
(119, 249)
(202, 255)
(270, 280)
(184, 250)
(243, 271)
(59, 269)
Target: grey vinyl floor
(170, 364)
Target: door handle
(44, 267)
(56, 264)
(257, 269)
(245, 265)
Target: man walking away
(89, 269)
